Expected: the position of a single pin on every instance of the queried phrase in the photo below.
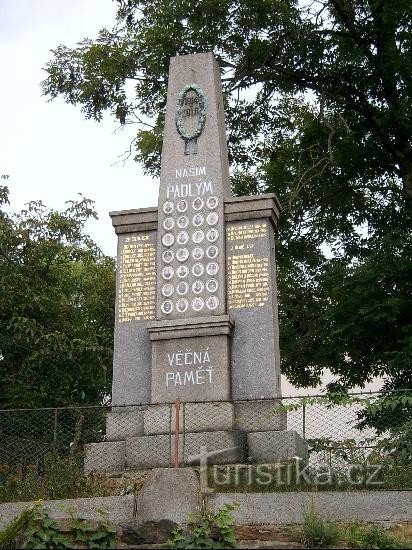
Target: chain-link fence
(348, 440)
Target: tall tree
(56, 308)
(319, 110)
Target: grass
(358, 535)
(316, 533)
(59, 478)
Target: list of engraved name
(137, 280)
(248, 274)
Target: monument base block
(193, 417)
(106, 457)
(216, 447)
(150, 451)
(156, 451)
(124, 422)
(259, 416)
(219, 447)
(274, 447)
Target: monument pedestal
(232, 432)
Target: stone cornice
(236, 209)
(190, 328)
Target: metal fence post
(304, 421)
(177, 429)
(55, 430)
(183, 432)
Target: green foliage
(56, 308)
(316, 533)
(59, 478)
(42, 531)
(9, 536)
(34, 528)
(207, 530)
(391, 411)
(358, 535)
(102, 535)
(319, 111)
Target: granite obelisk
(196, 307)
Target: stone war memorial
(196, 307)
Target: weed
(59, 477)
(34, 528)
(207, 530)
(358, 535)
(316, 533)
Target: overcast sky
(49, 151)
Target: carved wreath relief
(190, 116)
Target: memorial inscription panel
(190, 248)
(248, 274)
(137, 279)
(189, 368)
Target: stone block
(132, 347)
(274, 447)
(105, 457)
(161, 419)
(195, 368)
(224, 447)
(204, 417)
(169, 494)
(259, 416)
(150, 451)
(124, 423)
(255, 340)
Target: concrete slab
(288, 508)
(119, 509)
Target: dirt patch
(126, 483)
